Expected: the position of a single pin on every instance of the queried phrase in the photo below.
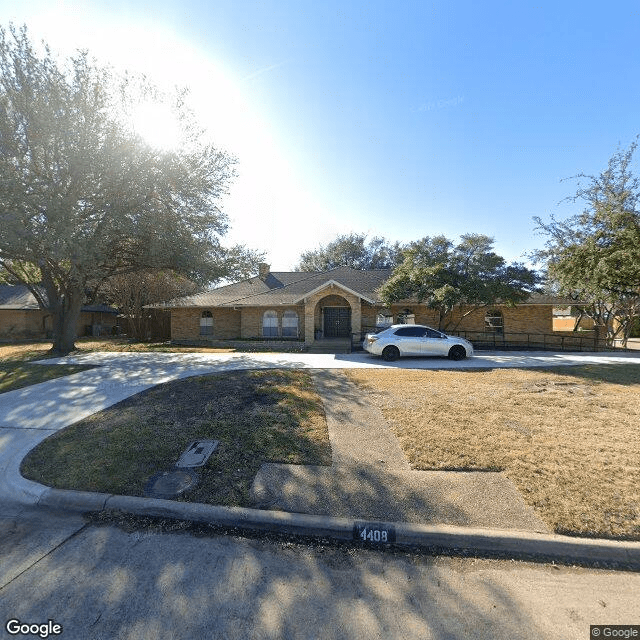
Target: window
(494, 322)
(270, 324)
(384, 318)
(290, 324)
(206, 323)
(411, 332)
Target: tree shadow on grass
(257, 417)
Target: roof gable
(329, 285)
(286, 287)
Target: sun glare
(157, 126)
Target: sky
(397, 119)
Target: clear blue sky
(400, 119)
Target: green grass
(258, 416)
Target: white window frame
(206, 323)
(490, 324)
(272, 326)
(290, 324)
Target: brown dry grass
(568, 438)
(16, 370)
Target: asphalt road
(100, 582)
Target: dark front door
(337, 322)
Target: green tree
(351, 250)
(447, 276)
(84, 198)
(594, 256)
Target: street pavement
(100, 582)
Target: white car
(416, 340)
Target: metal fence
(532, 341)
(509, 341)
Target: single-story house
(340, 303)
(21, 318)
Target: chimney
(263, 270)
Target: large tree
(84, 198)
(351, 250)
(594, 256)
(468, 276)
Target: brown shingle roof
(18, 297)
(285, 287)
(290, 287)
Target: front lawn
(258, 416)
(568, 437)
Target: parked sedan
(416, 340)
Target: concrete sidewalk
(370, 479)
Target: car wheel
(390, 353)
(457, 352)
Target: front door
(337, 322)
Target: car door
(434, 343)
(409, 340)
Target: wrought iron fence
(532, 341)
(509, 341)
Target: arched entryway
(333, 317)
(332, 314)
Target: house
(340, 303)
(21, 318)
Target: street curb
(515, 544)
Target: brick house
(21, 318)
(340, 303)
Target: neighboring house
(564, 321)
(22, 318)
(340, 303)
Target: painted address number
(374, 532)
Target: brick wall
(252, 319)
(36, 323)
(17, 324)
(520, 319)
(246, 323)
(228, 324)
(185, 324)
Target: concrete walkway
(371, 479)
(29, 415)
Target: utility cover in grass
(168, 484)
(197, 453)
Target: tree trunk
(66, 314)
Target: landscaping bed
(568, 437)
(257, 416)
